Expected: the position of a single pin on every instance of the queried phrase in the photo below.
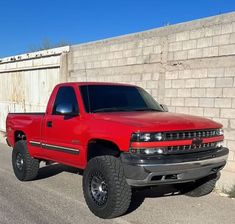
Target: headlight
(158, 136)
(219, 144)
(149, 151)
(147, 137)
(220, 131)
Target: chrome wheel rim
(99, 189)
(19, 161)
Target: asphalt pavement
(56, 197)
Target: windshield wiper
(116, 109)
(147, 109)
(113, 109)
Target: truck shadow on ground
(55, 169)
(138, 195)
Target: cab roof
(94, 83)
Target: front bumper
(169, 169)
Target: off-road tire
(200, 187)
(118, 197)
(28, 167)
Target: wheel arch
(19, 135)
(101, 147)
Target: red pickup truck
(122, 139)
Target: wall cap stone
(36, 54)
(163, 31)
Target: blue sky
(26, 23)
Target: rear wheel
(200, 187)
(25, 167)
(105, 189)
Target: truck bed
(29, 113)
(29, 123)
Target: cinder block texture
(195, 63)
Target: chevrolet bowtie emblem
(196, 142)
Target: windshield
(111, 98)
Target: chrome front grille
(190, 148)
(183, 135)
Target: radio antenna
(87, 88)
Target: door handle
(49, 124)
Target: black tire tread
(122, 198)
(31, 165)
(201, 187)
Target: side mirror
(164, 107)
(65, 109)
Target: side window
(65, 98)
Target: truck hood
(158, 121)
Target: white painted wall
(26, 81)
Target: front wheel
(105, 189)
(200, 187)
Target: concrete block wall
(189, 66)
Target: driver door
(61, 128)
